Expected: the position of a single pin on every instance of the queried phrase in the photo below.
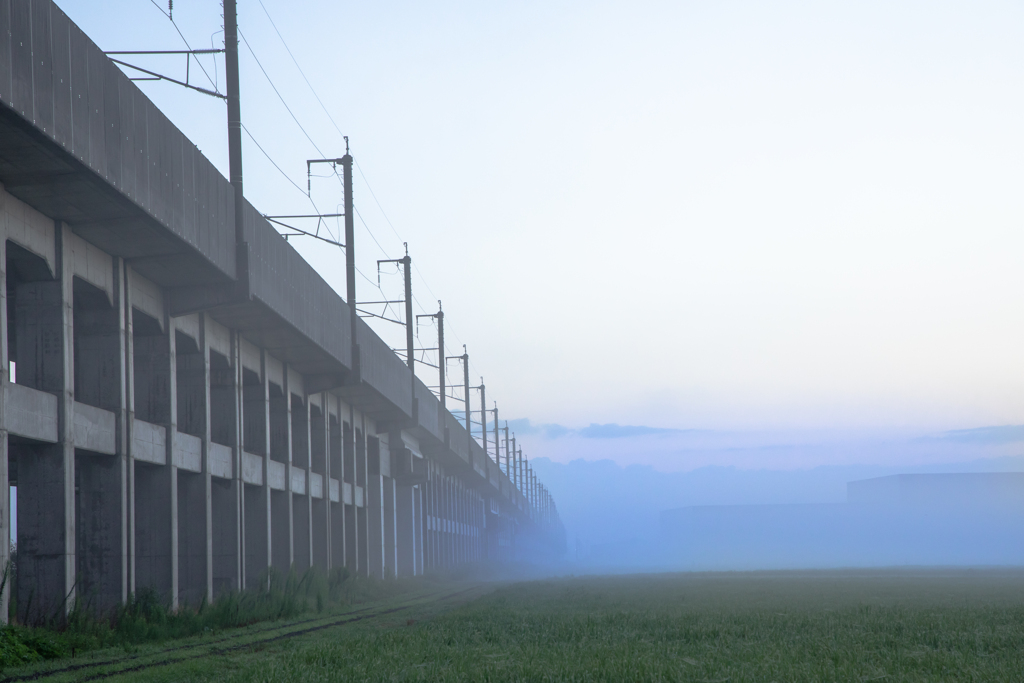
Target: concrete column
(390, 535)
(319, 463)
(375, 524)
(101, 502)
(279, 550)
(224, 419)
(46, 476)
(302, 522)
(460, 527)
(439, 523)
(5, 481)
(192, 382)
(453, 529)
(445, 501)
(428, 560)
(281, 512)
(380, 505)
(129, 389)
(206, 476)
(335, 470)
(256, 413)
(238, 448)
(463, 522)
(362, 514)
(417, 519)
(156, 486)
(456, 518)
(350, 516)
(405, 530)
(435, 494)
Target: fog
(640, 517)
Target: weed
(147, 617)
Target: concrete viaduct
(184, 409)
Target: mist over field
(659, 515)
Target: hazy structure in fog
(904, 519)
(193, 404)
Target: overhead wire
(336, 127)
(441, 352)
(308, 137)
(308, 83)
(289, 179)
(184, 40)
(336, 174)
(377, 201)
(278, 93)
(296, 63)
(279, 169)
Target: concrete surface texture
(182, 409)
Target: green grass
(891, 625)
(145, 618)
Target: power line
(288, 178)
(362, 174)
(175, 25)
(279, 96)
(295, 61)
(336, 174)
(372, 194)
(280, 170)
(370, 233)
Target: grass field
(891, 625)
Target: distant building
(907, 519)
(983, 490)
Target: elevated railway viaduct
(184, 407)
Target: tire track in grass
(347, 618)
(234, 636)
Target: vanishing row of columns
(170, 453)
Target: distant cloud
(548, 431)
(594, 431)
(614, 431)
(986, 435)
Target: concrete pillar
(460, 537)
(378, 459)
(279, 421)
(256, 498)
(453, 517)
(302, 522)
(362, 514)
(336, 470)
(390, 535)
(101, 504)
(280, 501)
(350, 525)
(454, 506)
(192, 536)
(46, 477)
(319, 508)
(417, 507)
(5, 480)
(192, 379)
(405, 529)
(156, 485)
(428, 516)
(225, 494)
(438, 537)
(375, 526)
(442, 560)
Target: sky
(740, 218)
